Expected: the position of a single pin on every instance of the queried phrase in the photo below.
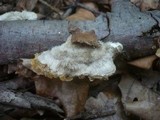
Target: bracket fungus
(71, 60)
(16, 15)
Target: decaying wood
(127, 25)
(27, 38)
(16, 83)
(127, 20)
(3, 72)
(144, 46)
(20, 42)
(27, 100)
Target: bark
(27, 100)
(126, 24)
(21, 39)
(138, 47)
(16, 83)
(36, 36)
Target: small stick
(67, 13)
(51, 7)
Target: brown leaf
(22, 70)
(145, 63)
(146, 4)
(99, 107)
(104, 5)
(83, 14)
(5, 8)
(97, 1)
(138, 99)
(148, 78)
(72, 95)
(106, 106)
(85, 38)
(26, 4)
(158, 52)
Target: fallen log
(22, 39)
(138, 47)
(126, 24)
(23, 44)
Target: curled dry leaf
(138, 99)
(85, 38)
(72, 95)
(146, 4)
(69, 60)
(145, 63)
(83, 14)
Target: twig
(51, 7)
(27, 100)
(67, 13)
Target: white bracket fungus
(24, 15)
(71, 60)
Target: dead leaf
(71, 95)
(83, 14)
(26, 4)
(138, 99)
(146, 4)
(99, 107)
(158, 52)
(103, 5)
(148, 78)
(106, 106)
(85, 38)
(97, 1)
(5, 8)
(24, 71)
(113, 93)
(145, 63)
